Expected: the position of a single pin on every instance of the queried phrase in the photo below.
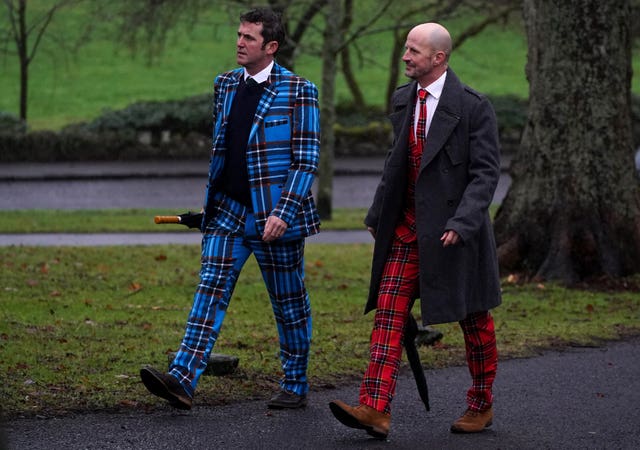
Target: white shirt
(261, 76)
(435, 91)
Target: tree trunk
(21, 43)
(573, 210)
(394, 67)
(345, 58)
(331, 44)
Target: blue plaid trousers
(228, 241)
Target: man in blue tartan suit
(266, 145)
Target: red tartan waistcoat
(406, 228)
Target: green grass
(77, 324)
(135, 220)
(130, 220)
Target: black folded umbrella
(189, 219)
(411, 331)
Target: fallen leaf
(129, 403)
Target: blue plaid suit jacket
(283, 150)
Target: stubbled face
(249, 48)
(419, 58)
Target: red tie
(421, 129)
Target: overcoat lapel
(400, 120)
(445, 119)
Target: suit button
(449, 202)
(445, 170)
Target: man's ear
(271, 47)
(441, 57)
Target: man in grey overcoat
(433, 234)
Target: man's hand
(273, 229)
(450, 237)
(372, 231)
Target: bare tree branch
(477, 28)
(20, 33)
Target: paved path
(160, 184)
(580, 398)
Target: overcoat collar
(445, 118)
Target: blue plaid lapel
(269, 94)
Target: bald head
(427, 52)
(434, 36)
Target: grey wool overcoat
(458, 176)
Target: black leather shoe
(286, 399)
(428, 336)
(165, 386)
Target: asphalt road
(578, 398)
(176, 192)
(353, 191)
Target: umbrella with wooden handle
(189, 219)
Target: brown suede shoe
(362, 417)
(473, 421)
(165, 386)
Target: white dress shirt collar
(261, 76)
(435, 88)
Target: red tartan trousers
(399, 285)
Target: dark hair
(272, 29)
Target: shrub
(192, 114)
(11, 124)
(181, 129)
(372, 139)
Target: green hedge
(182, 130)
(12, 124)
(49, 146)
(192, 114)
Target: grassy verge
(129, 220)
(134, 220)
(76, 324)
